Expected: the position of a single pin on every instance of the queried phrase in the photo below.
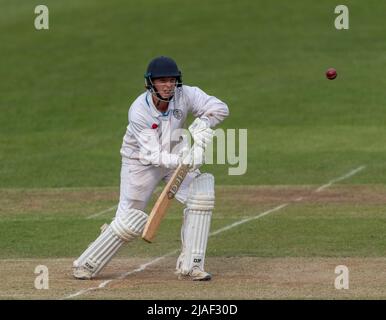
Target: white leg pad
(197, 218)
(130, 225)
(102, 250)
(181, 257)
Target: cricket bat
(163, 202)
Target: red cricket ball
(331, 74)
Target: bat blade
(163, 202)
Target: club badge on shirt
(177, 113)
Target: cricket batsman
(150, 153)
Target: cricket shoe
(81, 273)
(196, 274)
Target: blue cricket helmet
(161, 67)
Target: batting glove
(201, 132)
(193, 157)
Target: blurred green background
(65, 92)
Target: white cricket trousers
(139, 181)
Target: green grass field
(64, 98)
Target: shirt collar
(153, 110)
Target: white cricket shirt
(150, 133)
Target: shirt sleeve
(150, 151)
(204, 105)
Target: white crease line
(94, 215)
(102, 285)
(144, 266)
(122, 276)
(237, 223)
(348, 175)
(101, 212)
